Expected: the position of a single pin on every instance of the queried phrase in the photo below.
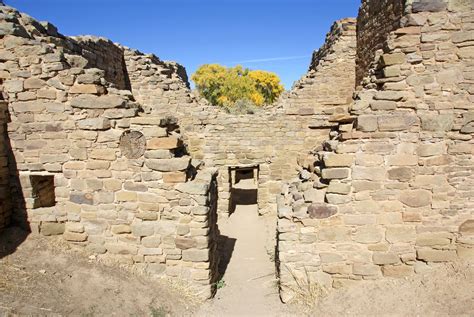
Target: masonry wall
(101, 53)
(333, 63)
(399, 172)
(91, 169)
(375, 21)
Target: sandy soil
(47, 277)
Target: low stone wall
(396, 179)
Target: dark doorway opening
(243, 186)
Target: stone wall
(398, 175)
(92, 169)
(103, 54)
(376, 19)
(316, 92)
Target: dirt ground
(46, 277)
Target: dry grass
(306, 292)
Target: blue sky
(274, 35)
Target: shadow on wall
(19, 227)
(240, 196)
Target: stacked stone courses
(395, 181)
(370, 178)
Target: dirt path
(250, 287)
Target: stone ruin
(367, 162)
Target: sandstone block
(368, 173)
(338, 160)
(103, 154)
(433, 239)
(337, 268)
(432, 149)
(431, 255)
(185, 243)
(166, 143)
(467, 227)
(321, 211)
(402, 233)
(158, 154)
(87, 89)
(314, 196)
(402, 174)
(193, 255)
(335, 173)
(94, 124)
(338, 188)
(126, 196)
(75, 227)
(429, 6)
(367, 123)
(397, 271)
(174, 177)
(98, 102)
(121, 229)
(52, 228)
(416, 198)
(121, 248)
(396, 122)
(437, 123)
(366, 269)
(337, 233)
(151, 241)
(193, 188)
(393, 59)
(384, 258)
(402, 160)
(336, 199)
(81, 198)
(168, 165)
(389, 95)
(368, 234)
(75, 236)
(34, 83)
(143, 229)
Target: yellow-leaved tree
(236, 87)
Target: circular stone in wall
(132, 144)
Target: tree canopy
(228, 86)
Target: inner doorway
(243, 186)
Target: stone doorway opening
(243, 186)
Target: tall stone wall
(376, 19)
(316, 92)
(92, 169)
(400, 170)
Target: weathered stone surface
(366, 269)
(339, 188)
(338, 160)
(416, 197)
(81, 198)
(321, 211)
(467, 227)
(193, 255)
(52, 228)
(167, 143)
(437, 122)
(314, 196)
(396, 122)
(402, 174)
(174, 177)
(168, 165)
(397, 271)
(184, 243)
(335, 173)
(429, 6)
(94, 124)
(400, 233)
(431, 255)
(75, 236)
(97, 102)
(194, 188)
(382, 258)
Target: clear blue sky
(194, 32)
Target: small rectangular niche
(42, 187)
